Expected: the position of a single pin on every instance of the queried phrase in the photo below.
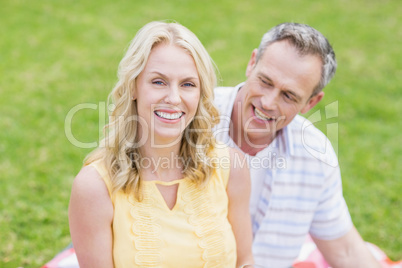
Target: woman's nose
(173, 96)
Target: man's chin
(260, 135)
(262, 127)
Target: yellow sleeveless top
(195, 233)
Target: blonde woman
(159, 192)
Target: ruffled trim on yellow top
(146, 231)
(201, 213)
(207, 228)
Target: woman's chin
(166, 138)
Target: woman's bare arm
(90, 218)
(239, 216)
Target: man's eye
(266, 82)
(289, 96)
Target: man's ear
(251, 62)
(312, 102)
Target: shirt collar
(284, 141)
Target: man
(296, 183)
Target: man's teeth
(260, 115)
(169, 115)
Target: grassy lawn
(57, 54)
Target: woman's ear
(133, 88)
(133, 95)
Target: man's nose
(270, 100)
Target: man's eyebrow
(287, 90)
(296, 96)
(265, 77)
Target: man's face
(278, 87)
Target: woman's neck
(160, 162)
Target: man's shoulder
(301, 126)
(224, 92)
(311, 142)
(224, 98)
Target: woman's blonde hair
(119, 150)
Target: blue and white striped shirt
(296, 188)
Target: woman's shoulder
(229, 161)
(239, 177)
(90, 180)
(88, 177)
(229, 155)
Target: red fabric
(310, 257)
(65, 259)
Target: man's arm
(347, 251)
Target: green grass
(57, 54)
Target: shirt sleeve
(331, 219)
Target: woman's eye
(157, 82)
(188, 85)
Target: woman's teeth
(170, 116)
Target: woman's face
(167, 94)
